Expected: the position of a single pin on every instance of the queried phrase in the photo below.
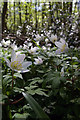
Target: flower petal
(67, 45)
(58, 51)
(8, 62)
(53, 38)
(26, 64)
(35, 63)
(58, 44)
(62, 41)
(13, 56)
(24, 71)
(20, 58)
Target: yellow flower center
(63, 47)
(16, 65)
(38, 61)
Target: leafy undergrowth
(50, 90)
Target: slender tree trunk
(36, 14)
(20, 21)
(50, 14)
(26, 12)
(14, 16)
(42, 15)
(71, 8)
(43, 12)
(64, 12)
(4, 12)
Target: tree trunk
(26, 12)
(36, 25)
(4, 11)
(20, 22)
(14, 16)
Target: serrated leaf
(40, 92)
(18, 89)
(31, 87)
(31, 92)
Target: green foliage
(57, 93)
(51, 87)
(38, 110)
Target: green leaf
(32, 92)
(40, 91)
(4, 97)
(62, 93)
(36, 80)
(36, 44)
(31, 87)
(40, 71)
(16, 89)
(23, 116)
(36, 107)
(7, 79)
(18, 75)
(56, 82)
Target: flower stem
(12, 78)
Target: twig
(14, 102)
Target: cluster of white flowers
(62, 45)
(18, 64)
(17, 60)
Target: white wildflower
(46, 40)
(33, 50)
(5, 43)
(53, 38)
(62, 46)
(38, 61)
(44, 48)
(38, 37)
(14, 46)
(17, 62)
